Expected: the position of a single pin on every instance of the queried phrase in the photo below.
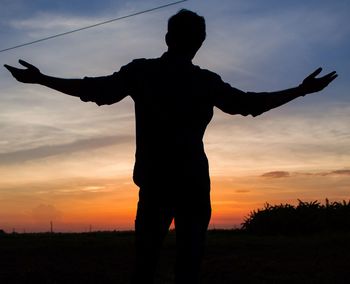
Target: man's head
(186, 33)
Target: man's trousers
(190, 208)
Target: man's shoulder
(140, 61)
(144, 61)
(140, 64)
(206, 74)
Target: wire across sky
(94, 25)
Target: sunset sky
(71, 162)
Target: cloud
(341, 172)
(282, 174)
(76, 146)
(276, 174)
(242, 191)
(328, 173)
(41, 22)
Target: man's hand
(29, 75)
(311, 84)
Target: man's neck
(178, 56)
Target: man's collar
(176, 59)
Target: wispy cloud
(76, 146)
(284, 174)
(242, 190)
(343, 172)
(52, 22)
(276, 174)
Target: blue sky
(53, 141)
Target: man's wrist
(301, 90)
(41, 79)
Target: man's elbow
(256, 113)
(253, 113)
(103, 102)
(100, 101)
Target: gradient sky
(71, 162)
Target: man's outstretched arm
(101, 90)
(33, 75)
(255, 104)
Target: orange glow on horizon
(111, 204)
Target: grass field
(231, 257)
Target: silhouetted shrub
(306, 217)
(2, 232)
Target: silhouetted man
(174, 102)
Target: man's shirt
(174, 102)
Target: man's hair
(186, 25)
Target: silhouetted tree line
(305, 218)
(2, 232)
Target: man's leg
(152, 223)
(192, 218)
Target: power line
(94, 25)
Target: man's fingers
(10, 68)
(315, 73)
(330, 76)
(334, 76)
(26, 64)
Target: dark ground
(231, 257)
